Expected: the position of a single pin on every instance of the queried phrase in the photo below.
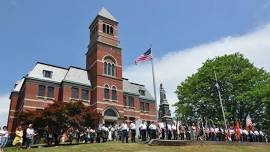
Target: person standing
(169, 129)
(18, 140)
(153, 130)
(4, 138)
(30, 133)
(161, 130)
(143, 128)
(125, 130)
(174, 130)
(133, 131)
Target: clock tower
(104, 66)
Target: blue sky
(56, 32)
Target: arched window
(114, 93)
(104, 28)
(107, 29)
(105, 68)
(109, 72)
(106, 92)
(110, 112)
(109, 66)
(111, 30)
(113, 70)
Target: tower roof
(105, 13)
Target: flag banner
(248, 121)
(238, 131)
(147, 56)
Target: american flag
(144, 57)
(248, 121)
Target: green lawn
(131, 147)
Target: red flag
(237, 130)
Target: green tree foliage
(59, 116)
(244, 89)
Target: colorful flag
(238, 132)
(248, 121)
(147, 56)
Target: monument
(164, 107)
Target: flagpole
(221, 104)
(154, 83)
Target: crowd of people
(129, 131)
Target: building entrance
(110, 117)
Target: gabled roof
(133, 88)
(59, 74)
(18, 85)
(105, 13)
(77, 75)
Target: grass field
(137, 147)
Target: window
(142, 106)
(146, 106)
(142, 92)
(114, 93)
(105, 68)
(110, 112)
(125, 101)
(109, 69)
(50, 92)
(106, 92)
(131, 101)
(47, 74)
(111, 30)
(74, 93)
(109, 66)
(104, 28)
(113, 70)
(41, 90)
(85, 94)
(108, 29)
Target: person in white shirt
(143, 128)
(174, 132)
(105, 133)
(4, 138)
(125, 130)
(256, 136)
(133, 131)
(153, 130)
(161, 130)
(169, 131)
(30, 133)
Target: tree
(60, 116)
(244, 89)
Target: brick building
(100, 85)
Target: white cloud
(4, 102)
(174, 67)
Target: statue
(164, 110)
(162, 95)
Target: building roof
(59, 74)
(77, 75)
(18, 85)
(133, 88)
(105, 13)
